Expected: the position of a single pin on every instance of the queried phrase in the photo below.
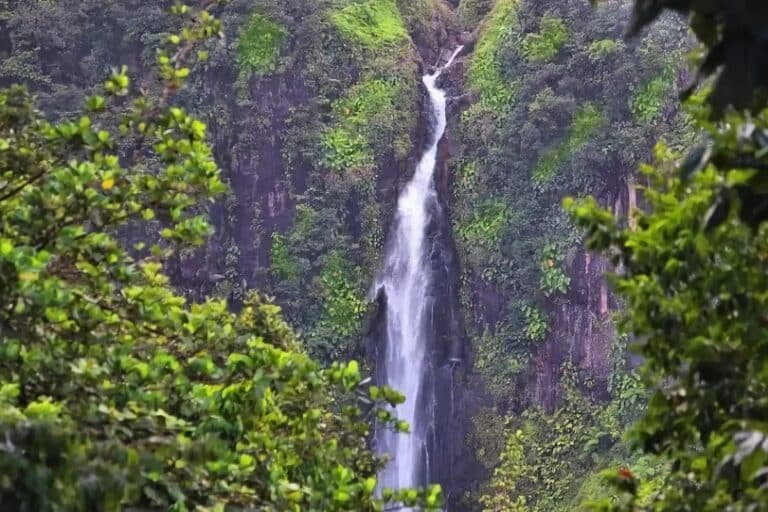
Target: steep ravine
(274, 182)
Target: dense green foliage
(368, 112)
(586, 121)
(547, 456)
(294, 101)
(284, 265)
(552, 84)
(553, 278)
(343, 307)
(312, 108)
(695, 298)
(691, 275)
(543, 45)
(495, 92)
(356, 128)
(733, 34)
(649, 99)
(736, 45)
(563, 106)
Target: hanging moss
(282, 263)
(485, 75)
(586, 121)
(258, 47)
(372, 24)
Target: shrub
(601, 48)
(486, 226)
(536, 324)
(553, 278)
(545, 44)
(282, 262)
(344, 306)
(344, 149)
(646, 103)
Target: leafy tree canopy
(696, 305)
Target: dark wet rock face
(582, 334)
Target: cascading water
(406, 282)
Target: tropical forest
(383, 255)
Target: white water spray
(406, 282)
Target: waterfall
(406, 280)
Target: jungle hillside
(383, 255)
